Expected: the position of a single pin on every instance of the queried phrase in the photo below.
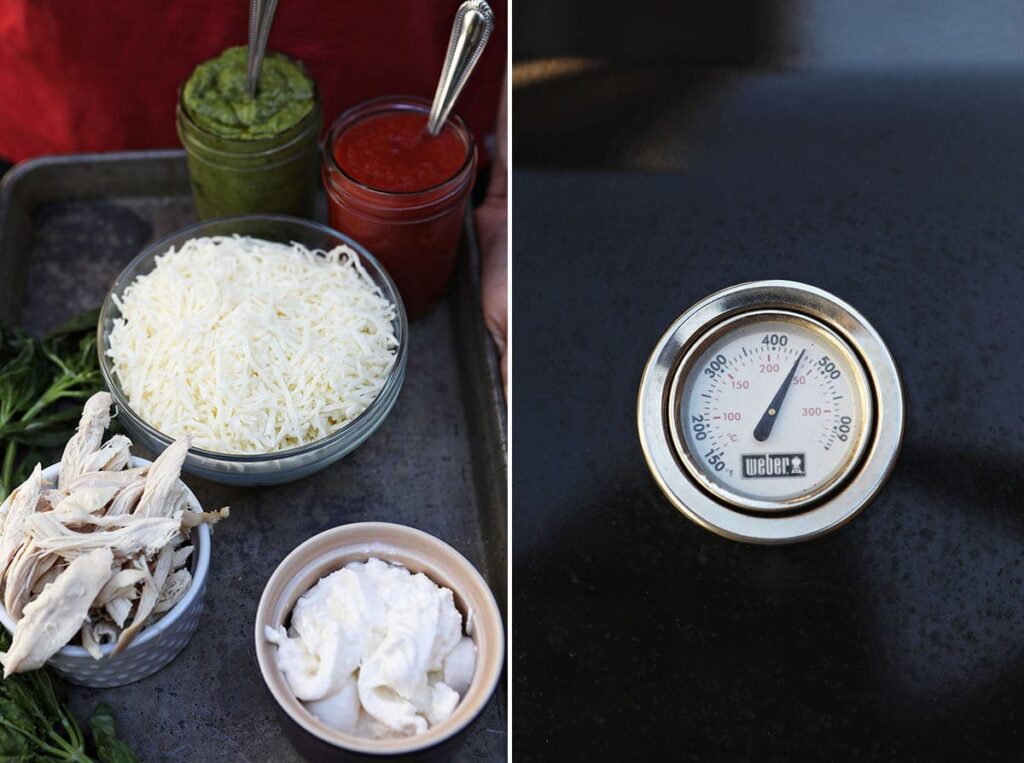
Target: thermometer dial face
(772, 411)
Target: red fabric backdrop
(101, 75)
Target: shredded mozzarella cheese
(251, 346)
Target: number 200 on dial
(772, 411)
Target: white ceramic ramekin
(156, 645)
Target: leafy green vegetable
(109, 748)
(35, 725)
(37, 380)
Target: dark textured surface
(210, 703)
(902, 635)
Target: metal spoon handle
(255, 14)
(474, 22)
(266, 20)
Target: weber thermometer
(771, 412)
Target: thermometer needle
(764, 426)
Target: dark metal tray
(67, 227)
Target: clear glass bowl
(280, 466)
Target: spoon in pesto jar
(261, 18)
(474, 22)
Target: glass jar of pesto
(251, 155)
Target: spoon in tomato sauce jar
(474, 22)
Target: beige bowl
(419, 552)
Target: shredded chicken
(120, 586)
(97, 633)
(181, 556)
(146, 535)
(125, 501)
(86, 441)
(151, 587)
(88, 500)
(174, 590)
(192, 519)
(48, 500)
(118, 609)
(101, 556)
(21, 505)
(108, 479)
(57, 614)
(163, 494)
(112, 456)
(29, 565)
(48, 577)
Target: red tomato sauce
(393, 152)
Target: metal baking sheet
(67, 227)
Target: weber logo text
(774, 465)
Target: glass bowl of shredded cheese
(276, 344)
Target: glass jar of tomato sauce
(400, 192)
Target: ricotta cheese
(376, 651)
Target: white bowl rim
(361, 745)
(202, 566)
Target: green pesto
(216, 99)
